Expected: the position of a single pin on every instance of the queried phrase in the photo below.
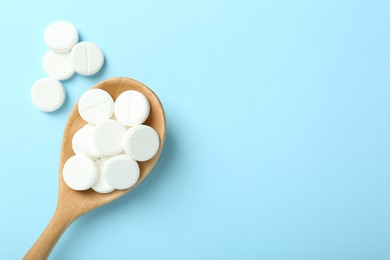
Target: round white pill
(108, 137)
(61, 36)
(48, 94)
(86, 58)
(101, 186)
(57, 65)
(131, 108)
(141, 142)
(96, 106)
(82, 142)
(121, 172)
(79, 172)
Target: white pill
(86, 58)
(96, 106)
(131, 108)
(108, 137)
(57, 65)
(121, 172)
(79, 172)
(101, 186)
(141, 142)
(61, 36)
(48, 94)
(82, 142)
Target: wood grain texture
(72, 204)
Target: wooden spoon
(72, 204)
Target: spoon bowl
(72, 204)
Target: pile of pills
(65, 57)
(109, 145)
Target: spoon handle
(49, 237)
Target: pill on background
(86, 58)
(131, 108)
(96, 106)
(57, 65)
(141, 142)
(101, 186)
(108, 137)
(48, 94)
(79, 172)
(82, 142)
(61, 36)
(121, 172)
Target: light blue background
(278, 129)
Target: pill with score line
(108, 137)
(57, 65)
(141, 142)
(96, 106)
(86, 58)
(131, 108)
(79, 172)
(61, 36)
(48, 94)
